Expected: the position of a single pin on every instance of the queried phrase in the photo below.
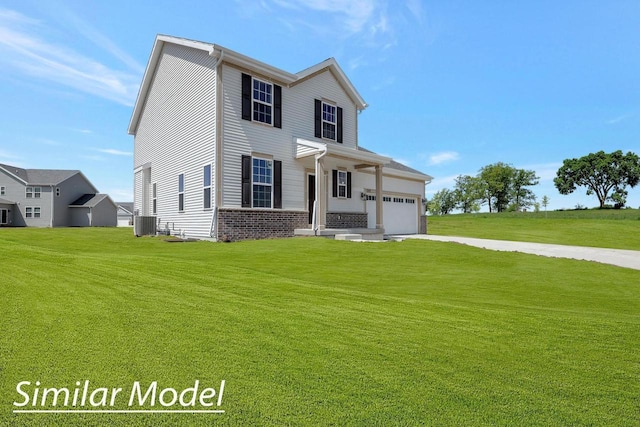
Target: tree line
(501, 187)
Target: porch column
(321, 190)
(379, 221)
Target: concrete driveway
(619, 257)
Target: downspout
(213, 229)
(317, 189)
(52, 205)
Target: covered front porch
(335, 193)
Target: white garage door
(400, 215)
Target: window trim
(342, 185)
(270, 185)
(32, 212)
(333, 123)
(181, 183)
(206, 201)
(254, 100)
(154, 198)
(33, 192)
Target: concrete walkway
(619, 257)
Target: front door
(4, 216)
(311, 195)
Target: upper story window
(3, 189)
(33, 192)
(261, 101)
(328, 121)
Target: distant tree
(545, 203)
(521, 196)
(495, 182)
(602, 173)
(442, 202)
(468, 193)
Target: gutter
(213, 229)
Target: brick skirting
(346, 220)
(247, 224)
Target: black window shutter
(335, 183)
(339, 131)
(277, 106)
(318, 118)
(246, 97)
(246, 181)
(348, 185)
(277, 184)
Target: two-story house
(52, 198)
(230, 148)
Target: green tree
(468, 193)
(545, 203)
(495, 181)
(443, 202)
(521, 196)
(604, 174)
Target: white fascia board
(244, 61)
(16, 177)
(409, 175)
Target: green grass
(606, 228)
(320, 332)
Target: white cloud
(619, 119)
(438, 183)
(114, 152)
(546, 171)
(23, 50)
(120, 194)
(443, 157)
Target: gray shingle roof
(40, 176)
(395, 165)
(6, 202)
(88, 200)
(127, 206)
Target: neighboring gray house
(228, 147)
(51, 198)
(125, 214)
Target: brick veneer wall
(244, 224)
(346, 220)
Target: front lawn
(320, 332)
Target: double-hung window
(2, 190)
(33, 192)
(154, 198)
(181, 192)
(342, 184)
(32, 212)
(262, 101)
(206, 185)
(262, 182)
(328, 121)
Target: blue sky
(451, 85)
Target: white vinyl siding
(177, 134)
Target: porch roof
(362, 159)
